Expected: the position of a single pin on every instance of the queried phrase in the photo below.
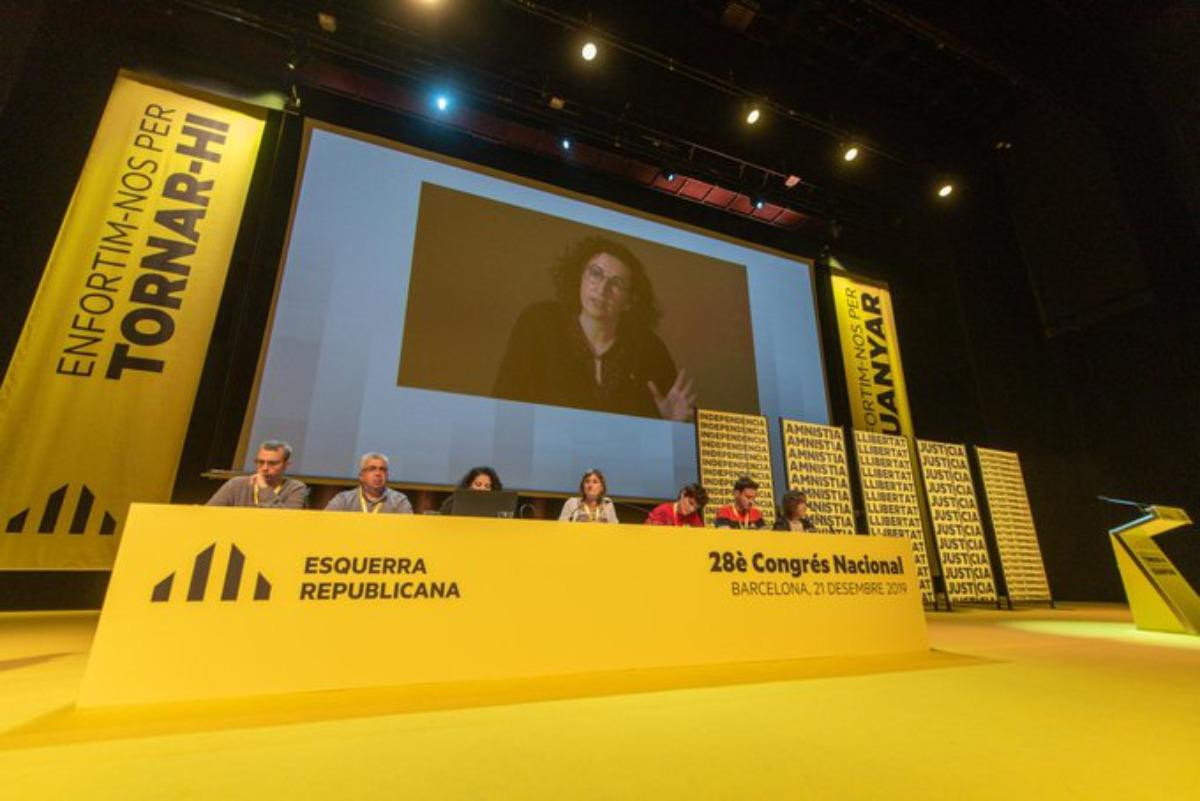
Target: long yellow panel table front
(218, 603)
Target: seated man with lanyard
(267, 487)
(687, 510)
(741, 513)
(372, 495)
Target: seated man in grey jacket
(267, 487)
(372, 495)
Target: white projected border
(328, 383)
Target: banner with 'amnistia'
(97, 397)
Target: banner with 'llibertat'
(96, 400)
(871, 355)
(889, 488)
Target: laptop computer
(473, 503)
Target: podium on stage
(1160, 598)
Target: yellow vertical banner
(815, 459)
(871, 355)
(730, 445)
(1012, 523)
(96, 400)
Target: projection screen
(438, 312)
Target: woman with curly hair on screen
(595, 347)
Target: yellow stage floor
(1031, 704)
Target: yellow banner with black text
(871, 355)
(96, 400)
(210, 603)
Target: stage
(1035, 703)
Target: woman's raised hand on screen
(678, 402)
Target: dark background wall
(1048, 310)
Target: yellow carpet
(1036, 703)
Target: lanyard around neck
(366, 505)
(274, 490)
(741, 522)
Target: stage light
(327, 21)
(753, 115)
(668, 175)
(850, 153)
(565, 143)
(791, 181)
(589, 51)
(557, 103)
(759, 203)
(442, 102)
(945, 190)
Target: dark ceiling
(926, 88)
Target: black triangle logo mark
(52, 513)
(16, 523)
(201, 570)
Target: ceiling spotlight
(791, 181)
(850, 153)
(558, 103)
(753, 115)
(945, 190)
(589, 51)
(327, 21)
(565, 143)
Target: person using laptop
(372, 495)
(477, 479)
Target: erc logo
(52, 512)
(198, 583)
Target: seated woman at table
(592, 505)
(479, 479)
(793, 513)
